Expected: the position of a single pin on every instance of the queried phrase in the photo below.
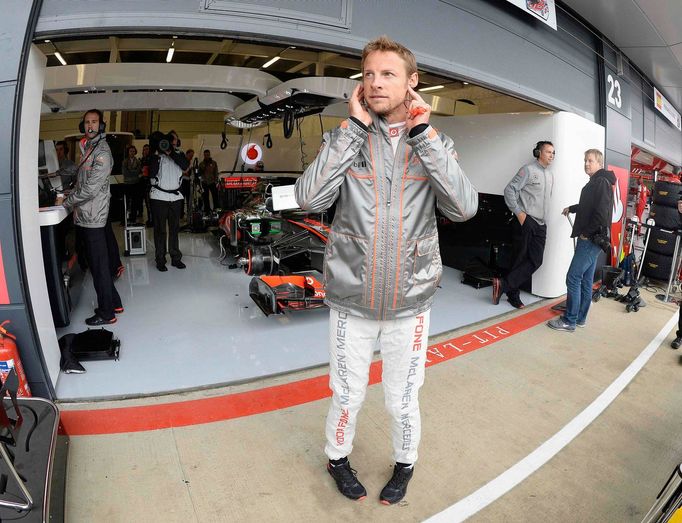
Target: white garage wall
(493, 147)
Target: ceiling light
(270, 62)
(465, 83)
(47, 41)
(85, 91)
(59, 57)
(354, 76)
(171, 51)
(432, 88)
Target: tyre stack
(658, 258)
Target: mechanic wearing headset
(527, 196)
(90, 204)
(387, 169)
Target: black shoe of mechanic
(161, 267)
(516, 302)
(346, 481)
(178, 265)
(675, 344)
(396, 488)
(97, 320)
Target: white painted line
(503, 483)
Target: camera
(161, 142)
(602, 241)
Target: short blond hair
(598, 155)
(385, 44)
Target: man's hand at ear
(357, 108)
(418, 112)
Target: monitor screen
(47, 157)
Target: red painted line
(4, 292)
(221, 408)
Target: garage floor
(505, 437)
(198, 327)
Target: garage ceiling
(294, 62)
(649, 32)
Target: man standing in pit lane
(592, 227)
(387, 169)
(527, 196)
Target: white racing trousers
(352, 341)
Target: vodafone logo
(251, 153)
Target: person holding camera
(527, 196)
(165, 172)
(591, 227)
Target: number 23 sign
(617, 92)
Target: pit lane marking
(514, 475)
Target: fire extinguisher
(9, 359)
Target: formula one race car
(300, 248)
(275, 294)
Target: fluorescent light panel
(169, 56)
(59, 57)
(270, 62)
(354, 76)
(432, 88)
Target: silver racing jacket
(90, 199)
(382, 259)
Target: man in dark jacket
(591, 227)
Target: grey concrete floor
(481, 414)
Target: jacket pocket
(423, 269)
(345, 267)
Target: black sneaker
(676, 342)
(346, 481)
(161, 267)
(396, 488)
(97, 320)
(178, 265)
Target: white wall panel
(28, 195)
(493, 147)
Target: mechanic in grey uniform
(527, 196)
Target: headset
(102, 123)
(539, 146)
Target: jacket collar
(379, 126)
